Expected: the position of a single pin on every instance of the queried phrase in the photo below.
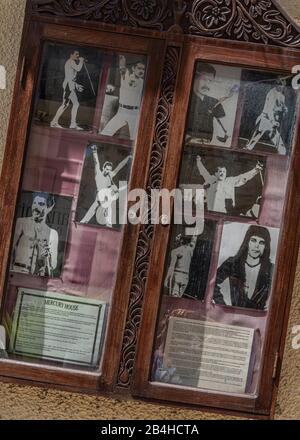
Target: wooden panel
(11, 175)
(235, 20)
(236, 56)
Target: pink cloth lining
(270, 215)
(54, 164)
(274, 191)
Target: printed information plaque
(57, 327)
(208, 355)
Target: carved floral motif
(259, 21)
(142, 259)
(143, 8)
(215, 14)
(257, 7)
(136, 13)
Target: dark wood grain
(259, 21)
(141, 265)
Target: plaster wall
(25, 402)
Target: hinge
(22, 73)
(276, 365)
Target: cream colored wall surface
(24, 402)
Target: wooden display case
(195, 95)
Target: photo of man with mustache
(220, 188)
(71, 89)
(107, 192)
(130, 98)
(270, 120)
(35, 245)
(203, 107)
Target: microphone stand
(89, 77)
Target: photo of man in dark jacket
(204, 108)
(249, 272)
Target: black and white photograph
(40, 234)
(246, 265)
(233, 183)
(188, 262)
(123, 98)
(213, 105)
(269, 112)
(68, 86)
(105, 174)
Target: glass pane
(218, 283)
(68, 231)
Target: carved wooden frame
(240, 22)
(141, 265)
(258, 21)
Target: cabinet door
(214, 315)
(67, 252)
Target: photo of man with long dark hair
(248, 273)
